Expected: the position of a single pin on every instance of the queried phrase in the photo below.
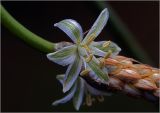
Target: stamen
(100, 98)
(102, 62)
(106, 44)
(78, 41)
(86, 47)
(84, 72)
(91, 38)
(88, 100)
(108, 54)
(93, 99)
(89, 58)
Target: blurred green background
(29, 78)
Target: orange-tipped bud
(131, 90)
(128, 75)
(146, 84)
(115, 83)
(157, 92)
(156, 78)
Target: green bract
(82, 52)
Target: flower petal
(64, 56)
(72, 29)
(67, 97)
(98, 49)
(72, 73)
(93, 64)
(94, 91)
(98, 25)
(78, 96)
(60, 78)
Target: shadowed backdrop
(28, 78)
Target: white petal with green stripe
(64, 56)
(95, 67)
(72, 73)
(60, 78)
(95, 91)
(67, 97)
(72, 29)
(98, 49)
(98, 25)
(78, 96)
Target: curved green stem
(23, 33)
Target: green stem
(23, 33)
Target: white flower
(78, 91)
(82, 52)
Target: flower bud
(146, 84)
(115, 83)
(131, 90)
(157, 92)
(128, 75)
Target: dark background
(28, 78)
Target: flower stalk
(24, 34)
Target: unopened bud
(146, 84)
(115, 83)
(156, 78)
(128, 75)
(157, 92)
(131, 90)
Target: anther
(108, 54)
(100, 98)
(89, 58)
(102, 62)
(88, 100)
(91, 38)
(106, 44)
(78, 41)
(86, 47)
(84, 72)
